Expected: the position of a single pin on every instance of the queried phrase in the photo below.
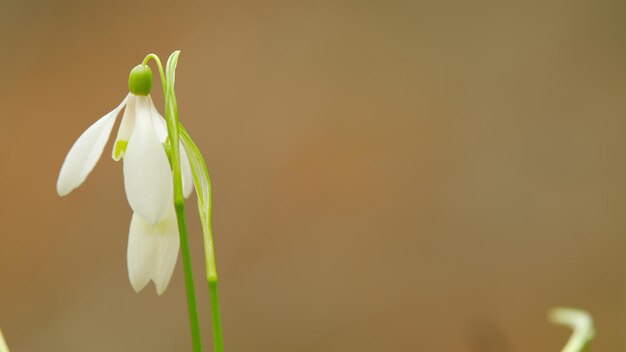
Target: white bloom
(153, 239)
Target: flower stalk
(179, 201)
(202, 183)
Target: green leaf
(3, 344)
(200, 174)
(582, 324)
(170, 70)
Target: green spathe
(140, 80)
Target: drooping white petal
(185, 169)
(160, 125)
(147, 175)
(125, 129)
(166, 253)
(152, 251)
(86, 152)
(139, 253)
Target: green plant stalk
(191, 295)
(199, 172)
(212, 282)
(171, 116)
(209, 252)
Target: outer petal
(160, 125)
(185, 169)
(152, 251)
(139, 253)
(86, 152)
(125, 130)
(147, 175)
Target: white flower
(153, 239)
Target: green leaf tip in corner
(580, 321)
(3, 344)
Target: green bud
(140, 80)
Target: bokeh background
(388, 175)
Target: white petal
(147, 174)
(166, 252)
(86, 152)
(125, 130)
(139, 253)
(160, 125)
(152, 251)
(185, 169)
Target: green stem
(205, 209)
(191, 296)
(209, 253)
(218, 345)
(159, 66)
(171, 116)
(211, 276)
(211, 269)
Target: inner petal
(125, 130)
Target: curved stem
(171, 117)
(154, 57)
(174, 128)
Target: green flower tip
(140, 80)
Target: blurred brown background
(388, 175)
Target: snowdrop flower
(153, 239)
